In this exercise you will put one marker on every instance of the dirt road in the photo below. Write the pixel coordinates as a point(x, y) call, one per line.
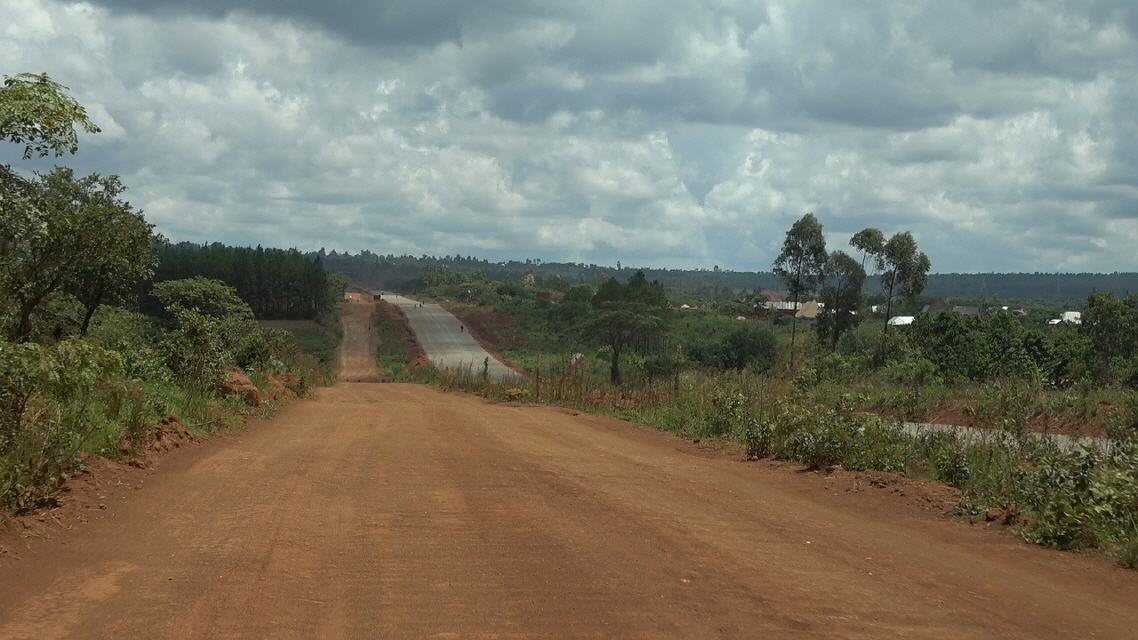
point(357, 351)
point(396, 511)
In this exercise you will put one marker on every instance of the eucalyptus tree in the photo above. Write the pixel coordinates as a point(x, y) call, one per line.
point(905, 273)
point(801, 264)
point(841, 297)
point(870, 243)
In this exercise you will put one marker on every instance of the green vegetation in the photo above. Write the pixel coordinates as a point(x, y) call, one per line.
point(390, 356)
point(84, 369)
point(716, 368)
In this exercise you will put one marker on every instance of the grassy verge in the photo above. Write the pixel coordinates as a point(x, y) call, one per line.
point(1085, 500)
point(319, 340)
point(397, 355)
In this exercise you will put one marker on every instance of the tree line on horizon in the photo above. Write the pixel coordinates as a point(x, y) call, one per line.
point(402, 272)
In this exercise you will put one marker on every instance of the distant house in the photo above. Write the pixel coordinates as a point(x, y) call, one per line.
point(546, 296)
point(809, 310)
point(1067, 317)
point(779, 306)
point(901, 321)
point(967, 311)
point(770, 295)
point(936, 306)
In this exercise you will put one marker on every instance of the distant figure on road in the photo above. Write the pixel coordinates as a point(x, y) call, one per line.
point(461, 329)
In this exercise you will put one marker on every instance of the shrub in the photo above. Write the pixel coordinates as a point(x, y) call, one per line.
point(750, 346)
point(47, 412)
point(729, 411)
point(212, 298)
point(133, 335)
point(196, 351)
point(917, 372)
point(758, 436)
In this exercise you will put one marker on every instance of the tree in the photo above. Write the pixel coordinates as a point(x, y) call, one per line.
point(841, 297)
point(1111, 324)
point(801, 265)
point(870, 243)
point(43, 239)
point(37, 244)
point(628, 314)
point(36, 111)
point(905, 272)
point(211, 298)
point(118, 248)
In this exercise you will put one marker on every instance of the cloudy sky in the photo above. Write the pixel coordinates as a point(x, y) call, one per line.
point(1003, 134)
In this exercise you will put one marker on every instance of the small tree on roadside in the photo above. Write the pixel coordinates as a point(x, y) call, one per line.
point(74, 235)
point(801, 264)
point(841, 298)
point(905, 274)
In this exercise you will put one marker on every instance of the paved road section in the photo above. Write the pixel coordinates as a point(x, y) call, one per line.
point(447, 345)
point(1065, 443)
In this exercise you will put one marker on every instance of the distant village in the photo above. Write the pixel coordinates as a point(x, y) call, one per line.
point(770, 302)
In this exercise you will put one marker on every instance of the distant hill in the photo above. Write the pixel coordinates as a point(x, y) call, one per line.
point(402, 272)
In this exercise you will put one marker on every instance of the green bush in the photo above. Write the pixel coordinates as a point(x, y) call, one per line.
point(208, 297)
point(135, 336)
point(48, 411)
point(196, 350)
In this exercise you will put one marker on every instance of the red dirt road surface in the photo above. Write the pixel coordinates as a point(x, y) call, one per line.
point(397, 511)
point(358, 347)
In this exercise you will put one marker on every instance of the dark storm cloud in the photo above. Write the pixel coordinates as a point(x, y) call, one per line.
point(407, 22)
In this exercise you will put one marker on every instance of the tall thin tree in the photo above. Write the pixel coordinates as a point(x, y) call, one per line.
point(905, 273)
point(801, 265)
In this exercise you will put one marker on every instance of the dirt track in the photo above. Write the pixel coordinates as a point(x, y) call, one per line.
point(357, 351)
point(398, 511)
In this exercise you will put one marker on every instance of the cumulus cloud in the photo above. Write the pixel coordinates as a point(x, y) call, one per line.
point(681, 134)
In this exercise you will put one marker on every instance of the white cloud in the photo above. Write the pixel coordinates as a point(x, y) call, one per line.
point(682, 134)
